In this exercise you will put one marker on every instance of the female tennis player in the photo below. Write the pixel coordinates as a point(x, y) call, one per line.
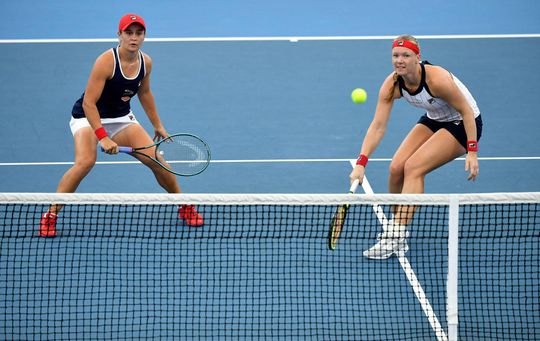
point(103, 114)
point(450, 128)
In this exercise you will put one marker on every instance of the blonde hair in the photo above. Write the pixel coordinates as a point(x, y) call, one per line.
point(395, 76)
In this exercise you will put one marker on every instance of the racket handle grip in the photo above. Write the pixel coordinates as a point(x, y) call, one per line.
point(354, 186)
point(125, 149)
point(122, 149)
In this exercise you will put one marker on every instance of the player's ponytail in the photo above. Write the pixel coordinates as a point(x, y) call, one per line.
point(390, 95)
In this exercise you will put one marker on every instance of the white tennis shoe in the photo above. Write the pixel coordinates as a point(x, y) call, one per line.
point(387, 246)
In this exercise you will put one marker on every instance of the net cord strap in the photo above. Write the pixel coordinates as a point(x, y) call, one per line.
point(270, 199)
point(453, 271)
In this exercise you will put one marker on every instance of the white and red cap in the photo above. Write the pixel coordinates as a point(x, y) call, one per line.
point(130, 19)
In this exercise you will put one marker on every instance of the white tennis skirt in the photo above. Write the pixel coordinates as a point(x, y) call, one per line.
point(111, 125)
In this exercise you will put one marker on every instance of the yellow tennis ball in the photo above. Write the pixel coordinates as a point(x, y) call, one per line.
point(359, 95)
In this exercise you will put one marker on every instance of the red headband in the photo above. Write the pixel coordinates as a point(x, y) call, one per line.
point(408, 44)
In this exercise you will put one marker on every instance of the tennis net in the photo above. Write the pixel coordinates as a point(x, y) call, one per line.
point(123, 267)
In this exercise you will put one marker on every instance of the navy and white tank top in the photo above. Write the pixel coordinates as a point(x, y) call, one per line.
point(436, 108)
point(117, 92)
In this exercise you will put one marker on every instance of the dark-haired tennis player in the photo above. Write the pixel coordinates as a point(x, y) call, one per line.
point(103, 114)
point(450, 128)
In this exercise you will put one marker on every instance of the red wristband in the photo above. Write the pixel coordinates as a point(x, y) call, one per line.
point(101, 133)
point(362, 160)
point(472, 146)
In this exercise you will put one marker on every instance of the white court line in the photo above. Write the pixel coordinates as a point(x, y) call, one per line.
point(62, 163)
point(422, 298)
point(409, 271)
point(275, 38)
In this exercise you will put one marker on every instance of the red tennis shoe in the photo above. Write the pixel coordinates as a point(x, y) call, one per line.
point(189, 214)
point(47, 225)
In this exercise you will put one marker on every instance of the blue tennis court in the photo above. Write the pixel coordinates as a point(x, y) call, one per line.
point(240, 96)
point(268, 88)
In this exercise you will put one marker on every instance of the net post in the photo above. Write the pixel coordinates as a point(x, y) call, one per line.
point(453, 271)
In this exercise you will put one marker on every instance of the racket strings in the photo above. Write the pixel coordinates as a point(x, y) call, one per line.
point(184, 154)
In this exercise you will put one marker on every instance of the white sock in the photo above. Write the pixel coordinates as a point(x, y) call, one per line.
point(394, 230)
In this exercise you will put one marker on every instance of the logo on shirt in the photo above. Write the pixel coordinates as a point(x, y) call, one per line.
point(131, 117)
point(415, 101)
point(431, 100)
point(127, 95)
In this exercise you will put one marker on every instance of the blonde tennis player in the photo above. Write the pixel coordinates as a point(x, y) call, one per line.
point(451, 127)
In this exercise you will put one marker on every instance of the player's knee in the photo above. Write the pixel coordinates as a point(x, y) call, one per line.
point(84, 165)
point(396, 169)
point(413, 169)
point(160, 172)
point(154, 167)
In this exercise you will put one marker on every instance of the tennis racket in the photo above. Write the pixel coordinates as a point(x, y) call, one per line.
point(180, 154)
point(338, 220)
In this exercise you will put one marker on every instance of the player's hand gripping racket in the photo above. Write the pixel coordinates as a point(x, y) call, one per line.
point(338, 220)
point(180, 154)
